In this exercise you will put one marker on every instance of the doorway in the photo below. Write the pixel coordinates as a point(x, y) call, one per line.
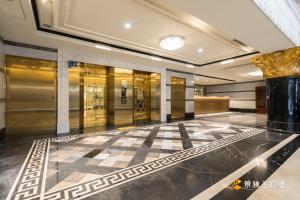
point(177, 98)
point(31, 96)
point(261, 102)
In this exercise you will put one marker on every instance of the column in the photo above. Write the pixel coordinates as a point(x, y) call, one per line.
point(281, 70)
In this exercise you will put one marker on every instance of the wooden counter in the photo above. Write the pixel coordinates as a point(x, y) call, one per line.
point(207, 104)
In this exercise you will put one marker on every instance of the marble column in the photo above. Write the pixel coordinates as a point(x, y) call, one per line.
point(281, 70)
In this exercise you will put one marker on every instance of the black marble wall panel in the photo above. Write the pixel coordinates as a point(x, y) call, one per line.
point(283, 100)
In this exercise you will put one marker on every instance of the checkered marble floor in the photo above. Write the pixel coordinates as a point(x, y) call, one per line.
point(76, 159)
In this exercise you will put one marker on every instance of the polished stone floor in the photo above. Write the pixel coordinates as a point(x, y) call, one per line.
point(217, 156)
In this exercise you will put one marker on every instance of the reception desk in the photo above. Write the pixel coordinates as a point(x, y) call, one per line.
point(206, 104)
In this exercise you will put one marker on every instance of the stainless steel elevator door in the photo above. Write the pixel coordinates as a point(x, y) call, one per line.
point(177, 98)
point(95, 95)
point(31, 96)
point(141, 97)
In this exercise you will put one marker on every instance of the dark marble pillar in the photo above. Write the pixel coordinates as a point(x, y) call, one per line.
point(283, 100)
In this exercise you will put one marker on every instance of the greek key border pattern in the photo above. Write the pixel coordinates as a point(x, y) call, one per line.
point(29, 185)
point(114, 179)
point(68, 137)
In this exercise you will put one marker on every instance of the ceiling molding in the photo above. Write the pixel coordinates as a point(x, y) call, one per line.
point(118, 47)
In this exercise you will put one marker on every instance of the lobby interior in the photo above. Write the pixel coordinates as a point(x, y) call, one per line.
point(147, 99)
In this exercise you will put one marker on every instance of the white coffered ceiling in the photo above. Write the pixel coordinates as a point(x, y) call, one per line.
point(104, 21)
point(223, 29)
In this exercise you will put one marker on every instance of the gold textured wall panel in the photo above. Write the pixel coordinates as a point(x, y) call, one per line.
point(141, 97)
point(74, 97)
point(205, 105)
point(155, 97)
point(120, 97)
point(31, 96)
point(280, 63)
point(177, 98)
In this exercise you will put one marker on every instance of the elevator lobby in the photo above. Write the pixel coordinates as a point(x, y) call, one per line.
point(147, 99)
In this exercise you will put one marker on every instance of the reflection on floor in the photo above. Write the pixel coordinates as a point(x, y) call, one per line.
point(199, 159)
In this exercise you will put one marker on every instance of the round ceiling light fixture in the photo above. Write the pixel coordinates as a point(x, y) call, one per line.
point(171, 42)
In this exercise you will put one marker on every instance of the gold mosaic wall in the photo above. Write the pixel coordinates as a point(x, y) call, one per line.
point(280, 63)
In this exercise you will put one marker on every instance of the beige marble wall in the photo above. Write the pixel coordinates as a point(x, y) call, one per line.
point(242, 95)
point(189, 92)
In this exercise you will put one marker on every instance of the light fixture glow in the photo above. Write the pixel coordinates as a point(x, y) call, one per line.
point(155, 58)
point(127, 25)
point(171, 43)
point(99, 46)
point(200, 50)
point(255, 73)
point(190, 66)
point(227, 61)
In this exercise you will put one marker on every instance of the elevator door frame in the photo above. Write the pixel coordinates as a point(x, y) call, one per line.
point(182, 115)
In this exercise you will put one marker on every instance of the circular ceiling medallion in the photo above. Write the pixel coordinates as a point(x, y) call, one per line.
point(171, 42)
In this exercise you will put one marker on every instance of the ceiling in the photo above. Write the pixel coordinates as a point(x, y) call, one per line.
point(217, 27)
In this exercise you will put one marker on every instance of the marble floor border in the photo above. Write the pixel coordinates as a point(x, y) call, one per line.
point(114, 179)
point(30, 181)
point(212, 191)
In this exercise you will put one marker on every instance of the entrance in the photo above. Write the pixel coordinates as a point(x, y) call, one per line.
point(31, 96)
point(261, 99)
point(177, 98)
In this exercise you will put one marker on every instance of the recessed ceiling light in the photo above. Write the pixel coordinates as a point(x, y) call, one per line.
point(200, 50)
point(155, 58)
point(99, 46)
point(227, 61)
point(172, 42)
point(127, 25)
point(190, 66)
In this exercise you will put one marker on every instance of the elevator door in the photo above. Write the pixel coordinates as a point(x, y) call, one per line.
point(141, 98)
point(31, 93)
point(94, 96)
point(177, 98)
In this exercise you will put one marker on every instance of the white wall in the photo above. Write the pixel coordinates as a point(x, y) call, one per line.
point(106, 58)
point(189, 92)
point(2, 87)
point(242, 95)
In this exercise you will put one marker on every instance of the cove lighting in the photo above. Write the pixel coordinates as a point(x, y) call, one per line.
point(190, 66)
point(255, 73)
point(171, 43)
point(99, 46)
point(155, 58)
point(227, 61)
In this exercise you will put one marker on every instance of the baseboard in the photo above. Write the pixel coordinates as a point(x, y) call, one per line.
point(242, 110)
point(2, 135)
point(189, 115)
point(169, 117)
